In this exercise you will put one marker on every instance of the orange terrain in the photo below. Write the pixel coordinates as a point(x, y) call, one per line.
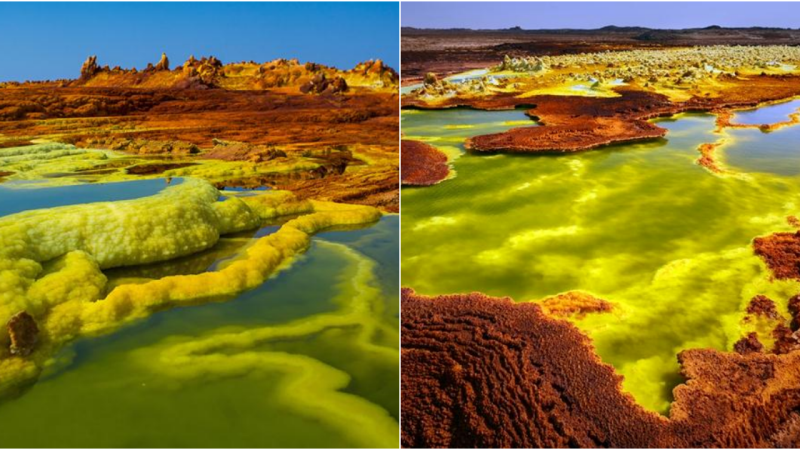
point(343, 121)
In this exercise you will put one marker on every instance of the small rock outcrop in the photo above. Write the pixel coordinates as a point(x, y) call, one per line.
point(377, 70)
point(203, 73)
point(533, 64)
point(321, 84)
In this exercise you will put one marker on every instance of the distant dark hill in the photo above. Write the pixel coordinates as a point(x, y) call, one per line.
point(709, 31)
point(446, 51)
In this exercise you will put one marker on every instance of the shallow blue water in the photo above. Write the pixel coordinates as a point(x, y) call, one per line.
point(777, 152)
point(407, 89)
point(768, 114)
point(13, 200)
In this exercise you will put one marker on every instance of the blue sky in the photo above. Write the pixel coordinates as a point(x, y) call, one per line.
point(539, 15)
point(51, 40)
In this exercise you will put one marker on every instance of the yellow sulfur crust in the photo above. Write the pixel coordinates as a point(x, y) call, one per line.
point(51, 260)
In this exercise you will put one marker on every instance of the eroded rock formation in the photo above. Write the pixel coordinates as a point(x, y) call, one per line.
point(89, 68)
point(211, 73)
point(163, 63)
point(378, 72)
point(320, 84)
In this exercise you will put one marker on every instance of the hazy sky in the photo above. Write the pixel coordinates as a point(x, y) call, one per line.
point(51, 40)
point(538, 15)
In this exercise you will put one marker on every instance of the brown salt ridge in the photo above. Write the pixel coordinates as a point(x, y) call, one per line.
point(486, 372)
point(708, 156)
point(582, 123)
point(422, 164)
point(23, 332)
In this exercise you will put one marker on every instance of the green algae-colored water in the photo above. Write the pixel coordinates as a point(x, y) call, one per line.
point(128, 389)
point(640, 225)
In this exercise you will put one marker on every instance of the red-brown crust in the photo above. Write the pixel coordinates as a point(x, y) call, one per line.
point(422, 164)
point(748, 344)
point(486, 372)
point(781, 252)
point(794, 310)
point(578, 123)
point(763, 306)
point(586, 135)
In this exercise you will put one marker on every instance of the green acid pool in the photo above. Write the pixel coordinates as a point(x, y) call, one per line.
point(308, 359)
point(640, 225)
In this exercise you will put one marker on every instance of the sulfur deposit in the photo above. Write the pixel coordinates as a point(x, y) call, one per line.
point(308, 386)
point(52, 260)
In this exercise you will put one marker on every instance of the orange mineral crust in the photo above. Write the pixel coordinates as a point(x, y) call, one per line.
point(422, 164)
point(486, 372)
point(275, 114)
point(708, 156)
point(138, 115)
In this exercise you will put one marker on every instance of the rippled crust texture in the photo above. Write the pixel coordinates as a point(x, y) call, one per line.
point(422, 164)
point(486, 372)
